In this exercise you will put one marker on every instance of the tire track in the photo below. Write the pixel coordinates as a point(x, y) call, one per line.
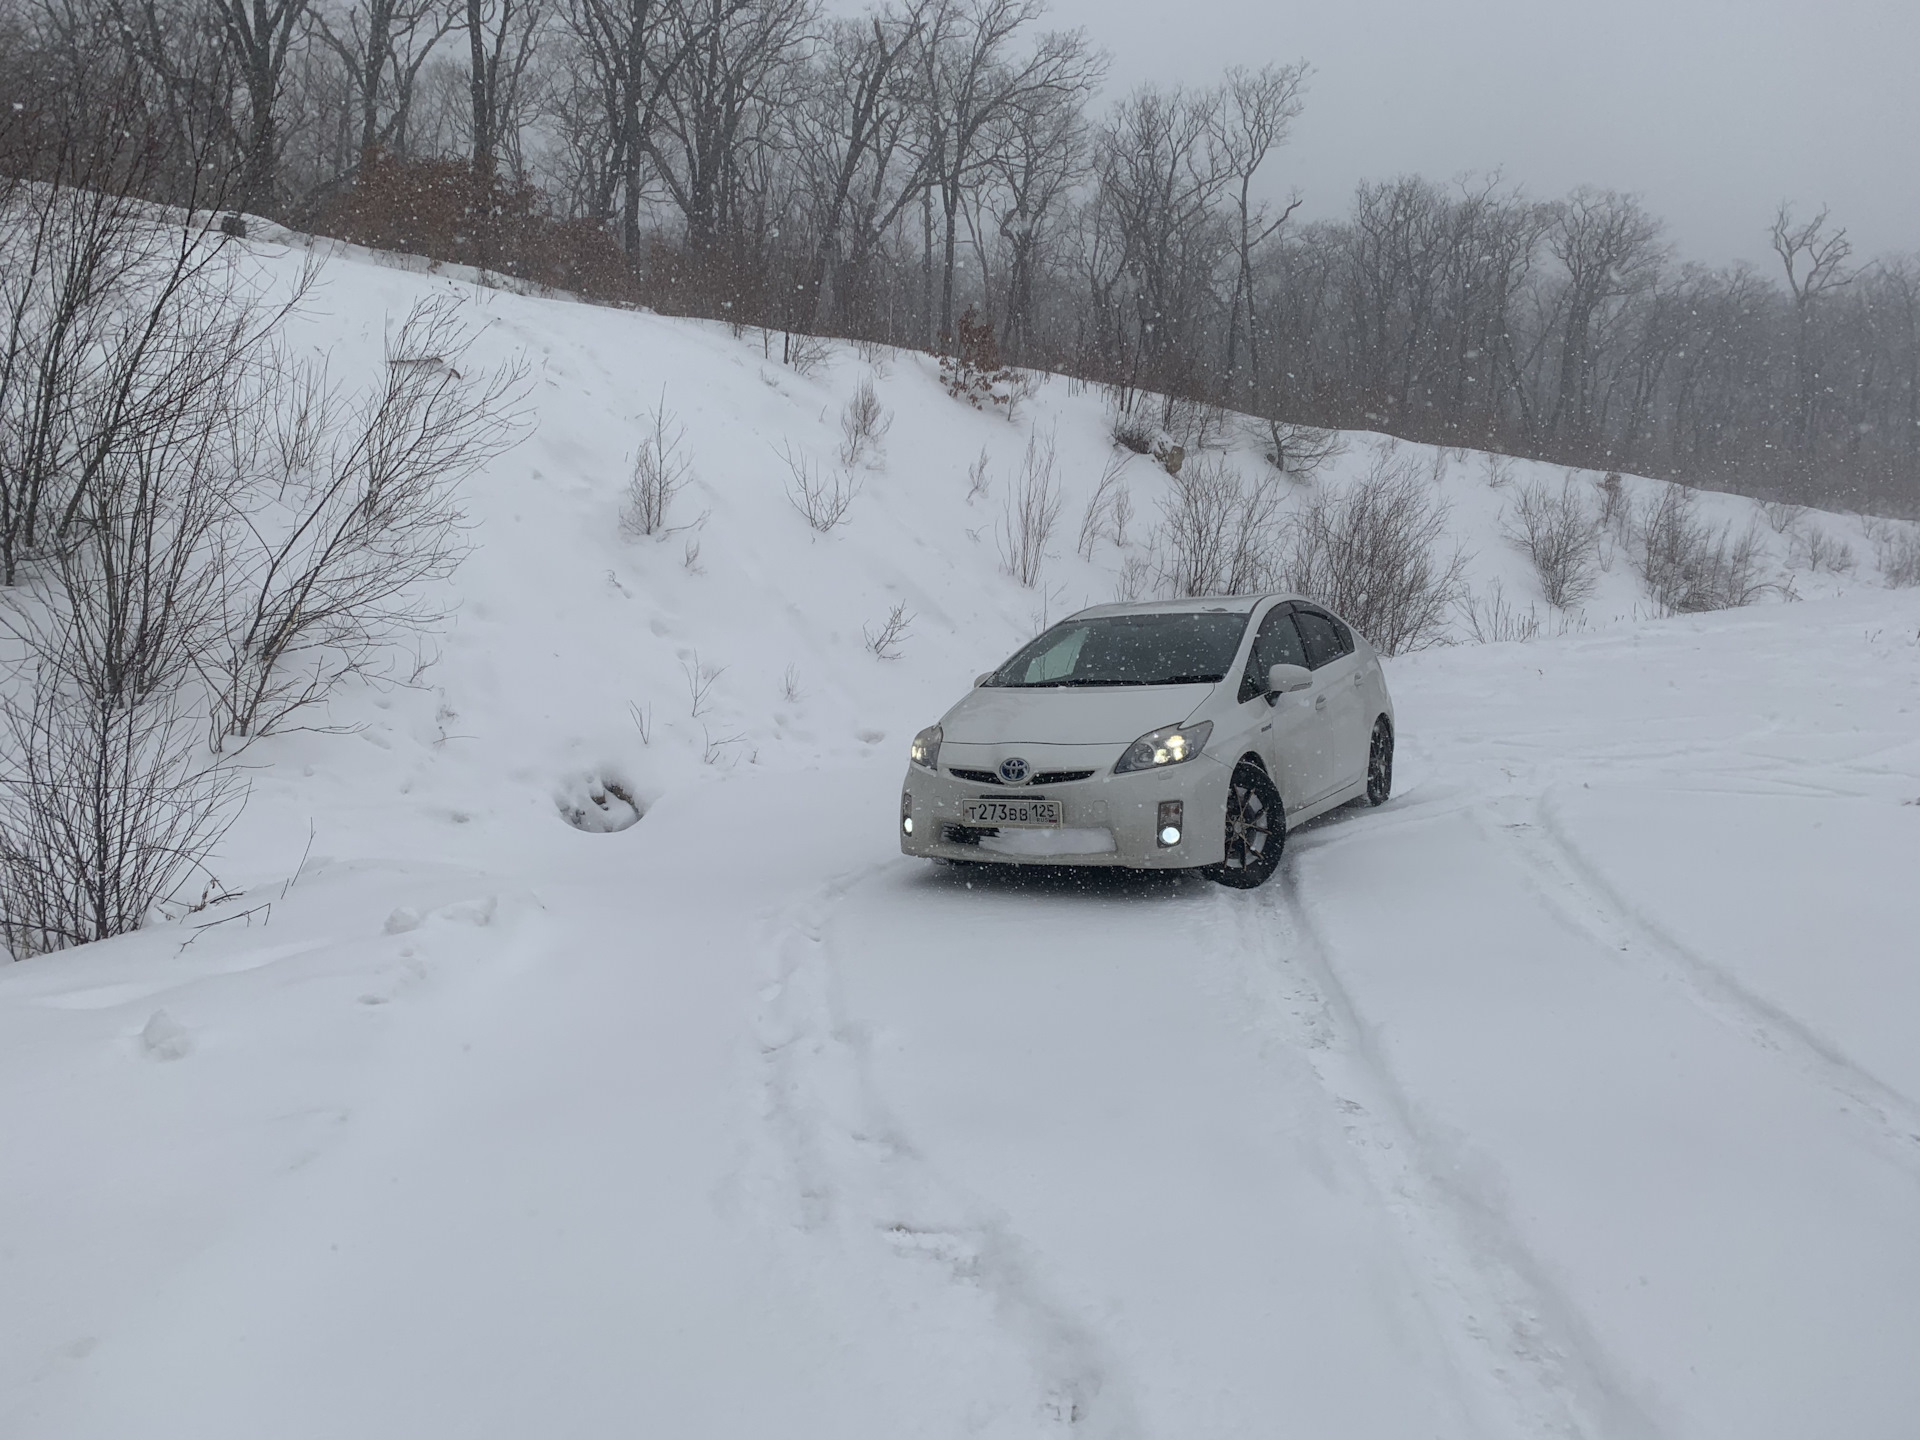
point(1522, 1353)
point(1570, 883)
point(854, 1174)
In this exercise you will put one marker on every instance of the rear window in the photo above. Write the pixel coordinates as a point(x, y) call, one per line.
point(1151, 649)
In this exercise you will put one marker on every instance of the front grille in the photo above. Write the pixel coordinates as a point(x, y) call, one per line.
point(1045, 777)
point(966, 834)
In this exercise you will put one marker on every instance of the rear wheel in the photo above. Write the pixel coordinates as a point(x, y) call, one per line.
point(1380, 763)
point(1256, 830)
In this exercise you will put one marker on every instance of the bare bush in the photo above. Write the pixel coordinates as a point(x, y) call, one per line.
point(331, 572)
point(1031, 511)
point(978, 485)
point(884, 640)
point(1688, 565)
point(106, 809)
point(1219, 533)
point(1299, 452)
point(863, 425)
point(660, 472)
point(1813, 547)
point(1557, 534)
point(803, 354)
point(1135, 579)
point(1133, 432)
point(822, 496)
point(1372, 554)
point(1616, 506)
point(1491, 620)
point(1499, 470)
point(1106, 509)
point(1782, 515)
point(1899, 556)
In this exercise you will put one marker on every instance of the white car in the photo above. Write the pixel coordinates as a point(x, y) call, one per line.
point(1181, 735)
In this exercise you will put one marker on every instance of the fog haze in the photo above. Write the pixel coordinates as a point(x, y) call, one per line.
point(1713, 111)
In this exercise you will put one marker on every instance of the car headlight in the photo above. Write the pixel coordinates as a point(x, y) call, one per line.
point(1164, 747)
point(926, 748)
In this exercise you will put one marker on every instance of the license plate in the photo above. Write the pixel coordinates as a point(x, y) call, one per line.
point(1017, 813)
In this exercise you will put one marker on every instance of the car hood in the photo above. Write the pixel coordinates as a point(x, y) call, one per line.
point(1045, 715)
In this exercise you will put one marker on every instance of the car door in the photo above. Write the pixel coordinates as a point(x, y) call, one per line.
point(1284, 726)
point(1337, 699)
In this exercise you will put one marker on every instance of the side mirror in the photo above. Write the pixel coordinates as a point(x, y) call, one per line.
point(1285, 679)
point(982, 678)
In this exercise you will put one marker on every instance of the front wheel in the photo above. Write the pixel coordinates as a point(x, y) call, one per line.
point(1380, 763)
point(1256, 830)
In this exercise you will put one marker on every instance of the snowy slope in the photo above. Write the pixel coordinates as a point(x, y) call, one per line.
point(1571, 1094)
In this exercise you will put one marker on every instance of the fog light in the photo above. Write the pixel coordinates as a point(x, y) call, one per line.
point(1169, 821)
point(906, 825)
point(906, 812)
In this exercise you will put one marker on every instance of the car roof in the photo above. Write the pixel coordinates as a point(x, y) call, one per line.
point(1196, 605)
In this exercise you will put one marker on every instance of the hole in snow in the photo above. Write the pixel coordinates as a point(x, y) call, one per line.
point(599, 805)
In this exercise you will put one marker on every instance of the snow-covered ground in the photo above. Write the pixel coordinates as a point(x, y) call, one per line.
point(1573, 1093)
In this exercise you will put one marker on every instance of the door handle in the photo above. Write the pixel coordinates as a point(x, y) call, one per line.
point(1320, 701)
point(1358, 681)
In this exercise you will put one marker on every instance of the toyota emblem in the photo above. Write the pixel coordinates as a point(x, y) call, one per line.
point(1014, 770)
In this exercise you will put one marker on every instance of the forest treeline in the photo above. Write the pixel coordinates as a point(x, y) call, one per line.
point(879, 174)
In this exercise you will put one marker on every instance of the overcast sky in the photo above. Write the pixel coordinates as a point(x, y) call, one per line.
point(1712, 110)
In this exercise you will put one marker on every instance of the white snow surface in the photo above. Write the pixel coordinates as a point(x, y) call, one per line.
point(1573, 1093)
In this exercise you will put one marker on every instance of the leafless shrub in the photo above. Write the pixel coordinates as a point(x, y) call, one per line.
point(1299, 452)
point(660, 471)
point(1616, 511)
point(331, 573)
point(642, 717)
point(700, 680)
point(713, 747)
point(1031, 511)
point(863, 424)
point(1135, 579)
point(1133, 432)
point(1557, 534)
point(1100, 517)
point(1688, 565)
point(1499, 470)
point(803, 354)
point(1782, 515)
point(875, 354)
point(1899, 556)
point(105, 810)
point(978, 486)
point(1194, 424)
point(822, 498)
point(690, 559)
point(790, 685)
point(1371, 554)
point(1490, 619)
point(1817, 550)
point(884, 641)
point(1219, 533)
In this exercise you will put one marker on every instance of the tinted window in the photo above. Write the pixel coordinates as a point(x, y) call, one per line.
point(1316, 631)
point(1129, 650)
point(1278, 643)
point(1342, 634)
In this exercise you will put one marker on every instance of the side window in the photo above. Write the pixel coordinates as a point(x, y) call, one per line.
point(1278, 643)
point(1342, 634)
point(1316, 631)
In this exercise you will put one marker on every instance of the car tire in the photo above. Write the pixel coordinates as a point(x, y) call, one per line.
point(1256, 825)
point(1380, 763)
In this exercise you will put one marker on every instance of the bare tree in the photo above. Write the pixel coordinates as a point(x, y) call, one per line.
point(1219, 533)
point(1259, 106)
point(660, 470)
point(1560, 537)
point(1813, 255)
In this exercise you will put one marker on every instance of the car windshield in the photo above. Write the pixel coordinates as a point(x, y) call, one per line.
point(1189, 648)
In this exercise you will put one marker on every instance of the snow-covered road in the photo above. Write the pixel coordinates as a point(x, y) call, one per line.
point(1573, 1093)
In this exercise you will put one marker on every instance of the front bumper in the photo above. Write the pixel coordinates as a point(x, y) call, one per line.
point(1109, 820)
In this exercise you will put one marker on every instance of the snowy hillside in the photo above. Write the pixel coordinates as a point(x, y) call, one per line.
point(1571, 1094)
